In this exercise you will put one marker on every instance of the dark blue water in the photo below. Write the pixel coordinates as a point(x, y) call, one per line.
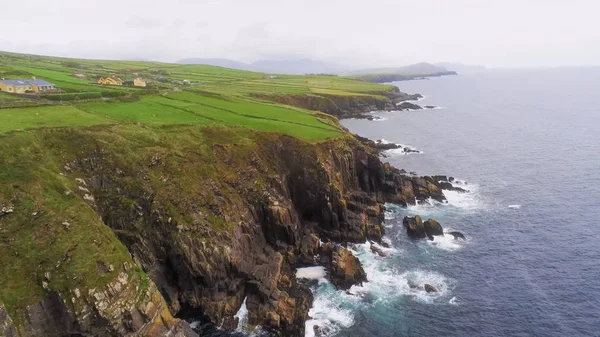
point(528, 138)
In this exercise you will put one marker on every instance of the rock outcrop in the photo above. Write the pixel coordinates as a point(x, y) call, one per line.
point(381, 146)
point(433, 228)
point(347, 106)
point(120, 308)
point(417, 229)
point(457, 235)
point(7, 327)
point(409, 106)
point(414, 227)
point(344, 269)
point(377, 250)
point(430, 289)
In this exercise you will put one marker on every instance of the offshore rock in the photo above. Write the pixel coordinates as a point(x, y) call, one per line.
point(430, 289)
point(414, 227)
point(457, 235)
point(409, 106)
point(433, 228)
point(378, 251)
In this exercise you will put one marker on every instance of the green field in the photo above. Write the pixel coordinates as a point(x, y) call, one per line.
point(209, 96)
point(46, 116)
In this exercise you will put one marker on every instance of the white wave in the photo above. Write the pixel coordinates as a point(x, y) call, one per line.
point(514, 206)
point(242, 316)
point(419, 277)
point(383, 141)
point(311, 273)
point(390, 214)
point(400, 151)
point(384, 279)
point(415, 100)
point(389, 251)
point(387, 241)
point(327, 312)
point(446, 242)
point(464, 200)
point(333, 310)
point(454, 301)
point(380, 119)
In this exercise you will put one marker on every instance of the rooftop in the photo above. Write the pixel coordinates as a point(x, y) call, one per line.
point(37, 82)
point(16, 82)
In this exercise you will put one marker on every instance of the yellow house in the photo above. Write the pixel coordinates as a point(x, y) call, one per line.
point(139, 82)
point(15, 86)
point(110, 81)
point(41, 85)
point(24, 86)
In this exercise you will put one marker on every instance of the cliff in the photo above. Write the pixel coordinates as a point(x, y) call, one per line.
point(116, 230)
point(394, 77)
point(346, 106)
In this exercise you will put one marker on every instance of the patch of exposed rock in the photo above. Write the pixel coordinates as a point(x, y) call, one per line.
point(417, 229)
point(409, 106)
point(344, 269)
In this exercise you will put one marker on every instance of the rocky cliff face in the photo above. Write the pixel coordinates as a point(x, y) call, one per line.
point(213, 219)
point(346, 106)
point(121, 308)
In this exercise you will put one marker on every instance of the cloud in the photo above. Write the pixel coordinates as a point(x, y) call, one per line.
point(140, 22)
point(375, 32)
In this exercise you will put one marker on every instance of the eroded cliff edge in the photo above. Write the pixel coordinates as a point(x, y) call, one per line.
point(134, 226)
point(347, 106)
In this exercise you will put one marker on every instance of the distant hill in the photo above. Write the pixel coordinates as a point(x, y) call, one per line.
point(309, 66)
point(406, 73)
point(462, 68)
point(413, 69)
point(225, 63)
point(298, 66)
point(292, 66)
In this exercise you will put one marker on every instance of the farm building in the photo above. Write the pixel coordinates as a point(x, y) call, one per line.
point(139, 82)
point(112, 80)
point(25, 86)
point(41, 85)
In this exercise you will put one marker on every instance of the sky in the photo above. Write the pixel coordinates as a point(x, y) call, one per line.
point(495, 33)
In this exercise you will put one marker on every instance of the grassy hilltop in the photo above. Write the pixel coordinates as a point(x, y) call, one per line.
point(214, 95)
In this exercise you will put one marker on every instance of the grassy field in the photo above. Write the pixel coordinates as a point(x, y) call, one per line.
point(47, 116)
point(178, 95)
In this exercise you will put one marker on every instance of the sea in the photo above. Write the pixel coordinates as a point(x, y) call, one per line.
point(526, 145)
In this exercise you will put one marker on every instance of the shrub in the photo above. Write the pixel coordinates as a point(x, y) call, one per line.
point(72, 64)
point(106, 93)
point(71, 96)
point(131, 98)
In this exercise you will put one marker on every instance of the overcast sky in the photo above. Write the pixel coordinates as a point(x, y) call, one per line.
point(513, 33)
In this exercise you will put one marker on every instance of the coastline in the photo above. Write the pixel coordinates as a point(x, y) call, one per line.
point(370, 253)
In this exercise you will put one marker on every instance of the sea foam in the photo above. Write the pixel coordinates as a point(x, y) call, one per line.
point(311, 273)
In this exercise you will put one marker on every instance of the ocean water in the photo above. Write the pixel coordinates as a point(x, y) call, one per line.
point(526, 144)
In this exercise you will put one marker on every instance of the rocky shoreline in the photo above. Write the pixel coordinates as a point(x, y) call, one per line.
point(359, 107)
